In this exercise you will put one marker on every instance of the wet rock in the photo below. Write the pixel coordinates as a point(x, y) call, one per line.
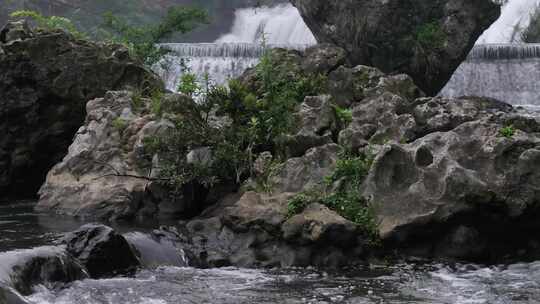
point(46, 80)
point(461, 243)
point(252, 230)
point(49, 266)
point(101, 250)
point(10, 296)
point(426, 39)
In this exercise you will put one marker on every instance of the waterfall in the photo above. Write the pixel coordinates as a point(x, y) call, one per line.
point(233, 53)
point(514, 18)
point(155, 251)
point(508, 72)
point(221, 61)
point(281, 24)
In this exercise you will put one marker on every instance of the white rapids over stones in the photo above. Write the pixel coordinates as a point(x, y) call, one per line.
point(11, 259)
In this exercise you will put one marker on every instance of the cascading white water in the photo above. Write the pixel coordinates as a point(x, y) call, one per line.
point(508, 72)
point(239, 50)
point(156, 252)
point(221, 61)
point(499, 66)
point(281, 24)
point(515, 16)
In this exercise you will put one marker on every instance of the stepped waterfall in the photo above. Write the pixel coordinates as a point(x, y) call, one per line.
point(507, 72)
point(497, 67)
point(233, 53)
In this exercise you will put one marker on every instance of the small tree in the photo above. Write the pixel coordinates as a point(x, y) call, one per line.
point(142, 40)
point(49, 22)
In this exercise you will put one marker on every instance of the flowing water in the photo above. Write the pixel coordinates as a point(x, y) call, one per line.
point(233, 53)
point(507, 72)
point(164, 278)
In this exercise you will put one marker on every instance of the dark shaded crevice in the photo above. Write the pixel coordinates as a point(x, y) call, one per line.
point(485, 234)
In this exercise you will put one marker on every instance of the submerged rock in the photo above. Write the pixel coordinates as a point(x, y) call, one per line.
point(101, 250)
point(49, 266)
point(426, 39)
point(46, 80)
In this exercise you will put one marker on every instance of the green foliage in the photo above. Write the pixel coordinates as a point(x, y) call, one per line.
point(430, 36)
point(49, 22)
point(120, 124)
point(344, 196)
point(250, 122)
point(266, 114)
point(298, 203)
point(344, 115)
point(189, 85)
point(351, 168)
point(264, 178)
point(142, 40)
point(156, 106)
point(508, 131)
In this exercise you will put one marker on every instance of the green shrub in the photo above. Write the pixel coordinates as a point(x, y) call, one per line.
point(508, 131)
point(120, 124)
point(189, 85)
point(142, 40)
point(257, 118)
point(344, 115)
point(50, 22)
point(298, 203)
point(430, 36)
point(344, 197)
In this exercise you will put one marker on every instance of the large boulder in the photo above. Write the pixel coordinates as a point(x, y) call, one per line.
point(107, 172)
point(101, 250)
point(453, 177)
point(255, 230)
point(46, 80)
point(427, 39)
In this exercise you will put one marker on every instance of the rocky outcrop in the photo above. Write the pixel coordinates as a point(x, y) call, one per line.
point(101, 250)
point(449, 172)
point(46, 80)
point(442, 175)
point(425, 39)
point(254, 230)
point(106, 173)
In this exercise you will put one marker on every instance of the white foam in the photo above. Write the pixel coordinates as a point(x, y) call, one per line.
point(514, 14)
point(19, 257)
point(281, 24)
